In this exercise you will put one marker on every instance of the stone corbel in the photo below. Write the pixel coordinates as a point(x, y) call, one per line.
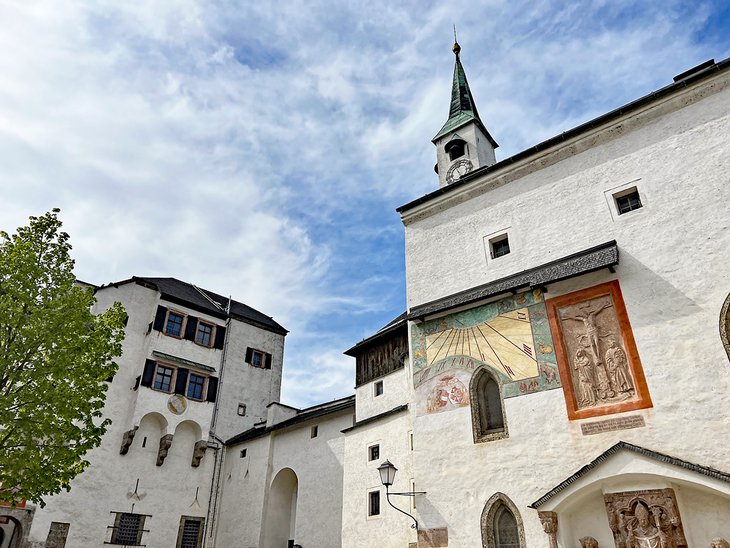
point(549, 521)
point(165, 443)
point(198, 452)
point(127, 439)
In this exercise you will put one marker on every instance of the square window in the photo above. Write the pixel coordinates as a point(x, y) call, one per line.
point(243, 453)
point(195, 387)
point(257, 358)
point(163, 378)
point(373, 452)
point(174, 323)
point(374, 503)
point(378, 388)
point(499, 246)
point(127, 529)
point(627, 200)
point(241, 409)
point(204, 334)
point(314, 432)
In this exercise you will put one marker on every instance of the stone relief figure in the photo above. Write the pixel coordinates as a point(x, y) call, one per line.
point(198, 452)
point(719, 543)
point(587, 315)
point(618, 368)
point(127, 439)
point(165, 443)
point(588, 542)
point(645, 519)
point(586, 390)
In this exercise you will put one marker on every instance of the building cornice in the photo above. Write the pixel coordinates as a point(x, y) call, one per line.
point(683, 92)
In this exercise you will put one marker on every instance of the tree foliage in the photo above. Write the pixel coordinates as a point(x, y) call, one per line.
point(55, 356)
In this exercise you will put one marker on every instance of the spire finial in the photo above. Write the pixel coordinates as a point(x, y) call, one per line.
point(457, 48)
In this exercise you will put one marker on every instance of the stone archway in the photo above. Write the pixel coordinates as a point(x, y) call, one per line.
point(281, 510)
point(21, 518)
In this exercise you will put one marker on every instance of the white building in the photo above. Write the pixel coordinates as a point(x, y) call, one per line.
point(557, 380)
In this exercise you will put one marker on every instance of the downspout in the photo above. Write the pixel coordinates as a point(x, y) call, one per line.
point(215, 480)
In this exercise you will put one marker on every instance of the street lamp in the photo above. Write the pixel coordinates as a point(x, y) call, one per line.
point(387, 477)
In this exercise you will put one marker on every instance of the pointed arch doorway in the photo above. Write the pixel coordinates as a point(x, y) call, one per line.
point(281, 510)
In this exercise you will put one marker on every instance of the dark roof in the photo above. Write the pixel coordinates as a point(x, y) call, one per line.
point(622, 445)
point(462, 109)
point(393, 325)
point(589, 260)
point(304, 415)
point(376, 418)
point(705, 70)
point(187, 294)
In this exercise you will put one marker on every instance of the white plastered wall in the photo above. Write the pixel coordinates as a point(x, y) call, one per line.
point(673, 274)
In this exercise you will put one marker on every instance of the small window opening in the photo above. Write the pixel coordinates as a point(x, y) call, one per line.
point(314, 432)
point(374, 503)
point(410, 440)
point(174, 324)
point(374, 452)
point(144, 441)
point(378, 388)
point(243, 453)
point(499, 247)
point(628, 200)
point(241, 409)
point(456, 151)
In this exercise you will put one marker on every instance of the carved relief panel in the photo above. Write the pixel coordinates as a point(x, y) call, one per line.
point(645, 519)
point(597, 358)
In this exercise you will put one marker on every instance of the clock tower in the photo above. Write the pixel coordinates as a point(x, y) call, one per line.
point(463, 144)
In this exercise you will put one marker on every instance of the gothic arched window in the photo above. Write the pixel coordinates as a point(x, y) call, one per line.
point(501, 524)
point(487, 411)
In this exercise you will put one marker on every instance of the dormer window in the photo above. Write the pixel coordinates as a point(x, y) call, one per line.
point(455, 147)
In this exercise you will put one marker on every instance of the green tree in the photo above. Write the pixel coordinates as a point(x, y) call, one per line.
point(55, 356)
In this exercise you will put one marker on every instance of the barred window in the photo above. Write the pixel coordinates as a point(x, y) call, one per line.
point(190, 533)
point(127, 529)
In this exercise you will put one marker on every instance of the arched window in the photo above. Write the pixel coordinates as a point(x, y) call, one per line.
point(501, 524)
point(488, 420)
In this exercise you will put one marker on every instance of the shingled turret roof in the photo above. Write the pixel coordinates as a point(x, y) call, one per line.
point(463, 109)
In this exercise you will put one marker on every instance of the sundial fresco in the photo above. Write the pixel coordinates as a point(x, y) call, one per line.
point(511, 337)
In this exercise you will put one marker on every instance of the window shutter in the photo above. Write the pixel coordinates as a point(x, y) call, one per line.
point(182, 380)
point(212, 389)
point(191, 327)
point(249, 354)
point(160, 318)
point(220, 336)
point(149, 372)
point(267, 361)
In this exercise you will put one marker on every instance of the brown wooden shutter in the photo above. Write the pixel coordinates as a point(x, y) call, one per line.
point(249, 354)
point(267, 360)
point(149, 372)
point(212, 389)
point(181, 381)
point(160, 318)
point(191, 327)
point(220, 336)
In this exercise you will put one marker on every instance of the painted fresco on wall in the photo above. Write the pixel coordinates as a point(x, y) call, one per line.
point(510, 336)
point(597, 356)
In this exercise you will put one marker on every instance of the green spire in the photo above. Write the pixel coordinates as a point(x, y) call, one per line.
point(462, 109)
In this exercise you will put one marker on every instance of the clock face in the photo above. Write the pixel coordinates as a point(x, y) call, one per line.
point(458, 169)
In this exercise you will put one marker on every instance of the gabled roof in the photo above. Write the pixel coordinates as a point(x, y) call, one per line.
point(187, 294)
point(462, 109)
point(302, 416)
point(624, 446)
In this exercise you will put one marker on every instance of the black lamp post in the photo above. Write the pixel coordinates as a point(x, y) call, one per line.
point(387, 477)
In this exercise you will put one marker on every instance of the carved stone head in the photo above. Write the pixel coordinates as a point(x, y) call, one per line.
point(588, 542)
point(719, 543)
point(641, 513)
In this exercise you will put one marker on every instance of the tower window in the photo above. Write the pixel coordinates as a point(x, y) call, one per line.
point(456, 151)
point(499, 246)
point(314, 431)
point(374, 452)
point(488, 419)
point(374, 503)
point(378, 388)
point(628, 200)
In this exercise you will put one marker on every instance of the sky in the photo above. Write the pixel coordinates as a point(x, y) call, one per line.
point(260, 149)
